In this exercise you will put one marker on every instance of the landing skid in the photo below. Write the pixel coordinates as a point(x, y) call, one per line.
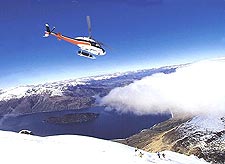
point(86, 54)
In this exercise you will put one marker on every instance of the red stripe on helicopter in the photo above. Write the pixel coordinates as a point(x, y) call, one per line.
point(73, 41)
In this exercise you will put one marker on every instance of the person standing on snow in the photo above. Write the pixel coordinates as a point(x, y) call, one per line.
point(158, 154)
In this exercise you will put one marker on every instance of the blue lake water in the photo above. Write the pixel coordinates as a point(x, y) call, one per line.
point(108, 125)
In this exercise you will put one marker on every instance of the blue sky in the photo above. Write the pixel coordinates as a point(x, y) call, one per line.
point(142, 34)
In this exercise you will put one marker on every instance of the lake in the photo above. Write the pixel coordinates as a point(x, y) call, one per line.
point(108, 125)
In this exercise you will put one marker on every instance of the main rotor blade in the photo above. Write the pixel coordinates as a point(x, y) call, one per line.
point(52, 29)
point(89, 25)
point(104, 45)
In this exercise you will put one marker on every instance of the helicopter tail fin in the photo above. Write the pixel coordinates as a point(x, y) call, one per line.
point(47, 28)
point(48, 31)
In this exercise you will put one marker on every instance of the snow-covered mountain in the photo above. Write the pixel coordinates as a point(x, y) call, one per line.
point(51, 89)
point(205, 134)
point(22, 148)
point(202, 135)
point(68, 94)
point(57, 88)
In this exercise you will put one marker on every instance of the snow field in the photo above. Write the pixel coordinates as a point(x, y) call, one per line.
point(70, 149)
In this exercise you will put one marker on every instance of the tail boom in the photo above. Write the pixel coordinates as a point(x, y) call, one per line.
point(59, 36)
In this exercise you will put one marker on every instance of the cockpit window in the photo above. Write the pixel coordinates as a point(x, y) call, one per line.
point(95, 44)
point(98, 45)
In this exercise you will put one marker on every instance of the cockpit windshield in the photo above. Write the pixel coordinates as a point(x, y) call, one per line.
point(95, 44)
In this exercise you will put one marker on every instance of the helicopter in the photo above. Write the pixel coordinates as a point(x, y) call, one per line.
point(89, 47)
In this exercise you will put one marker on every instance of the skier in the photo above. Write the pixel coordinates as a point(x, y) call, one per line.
point(141, 154)
point(158, 154)
point(136, 149)
point(138, 152)
point(164, 155)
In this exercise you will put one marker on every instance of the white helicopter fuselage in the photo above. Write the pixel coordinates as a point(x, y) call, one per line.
point(90, 45)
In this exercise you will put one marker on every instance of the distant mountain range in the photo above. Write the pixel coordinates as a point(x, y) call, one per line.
point(69, 94)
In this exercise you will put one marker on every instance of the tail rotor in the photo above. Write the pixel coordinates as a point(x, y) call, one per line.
point(48, 30)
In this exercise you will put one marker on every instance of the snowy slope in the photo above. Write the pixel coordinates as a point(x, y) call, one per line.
point(206, 135)
point(21, 148)
point(204, 128)
point(204, 123)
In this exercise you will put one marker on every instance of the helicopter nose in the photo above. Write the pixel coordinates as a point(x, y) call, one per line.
point(103, 52)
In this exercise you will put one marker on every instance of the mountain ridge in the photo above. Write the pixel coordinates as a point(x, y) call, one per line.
point(68, 94)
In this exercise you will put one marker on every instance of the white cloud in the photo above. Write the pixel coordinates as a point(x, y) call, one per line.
point(195, 88)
